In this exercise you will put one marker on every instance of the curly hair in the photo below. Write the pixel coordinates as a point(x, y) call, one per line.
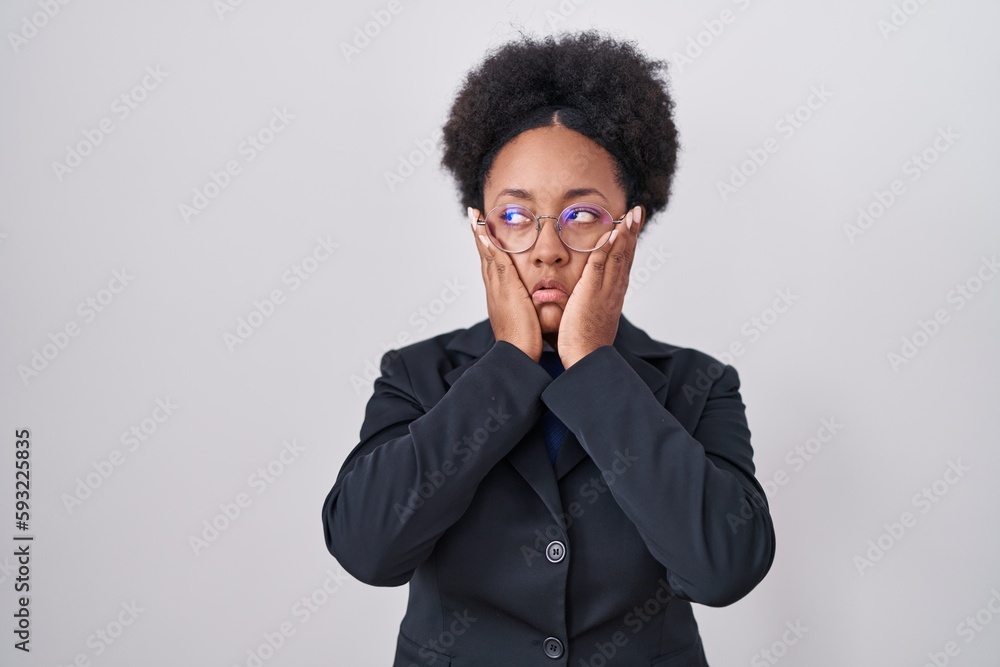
point(603, 88)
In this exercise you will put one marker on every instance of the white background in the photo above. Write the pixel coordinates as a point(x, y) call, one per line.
point(305, 373)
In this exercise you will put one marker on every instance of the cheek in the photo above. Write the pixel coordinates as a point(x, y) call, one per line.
point(521, 265)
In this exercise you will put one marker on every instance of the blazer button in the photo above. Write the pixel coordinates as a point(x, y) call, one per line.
point(555, 551)
point(553, 647)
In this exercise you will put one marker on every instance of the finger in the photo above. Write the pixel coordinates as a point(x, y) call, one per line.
point(473, 217)
point(617, 256)
point(636, 222)
point(483, 246)
point(622, 253)
point(476, 231)
point(503, 266)
point(498, 268)
point(489, 259)
point(496, 263)
point(594, 272)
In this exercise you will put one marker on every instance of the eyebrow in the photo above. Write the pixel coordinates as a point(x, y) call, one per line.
point(572, 193)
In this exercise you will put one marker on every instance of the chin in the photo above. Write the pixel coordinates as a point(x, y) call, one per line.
point(549, 317)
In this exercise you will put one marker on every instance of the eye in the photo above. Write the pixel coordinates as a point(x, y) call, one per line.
point(514, 216)
point(584, 215)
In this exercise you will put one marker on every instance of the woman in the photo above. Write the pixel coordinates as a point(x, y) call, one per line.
point(556, 486)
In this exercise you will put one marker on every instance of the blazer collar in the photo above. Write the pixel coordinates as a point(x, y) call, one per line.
point(529, 457)
point(632, 343)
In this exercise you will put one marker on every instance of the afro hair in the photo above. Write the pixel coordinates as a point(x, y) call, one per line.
point(603, 88)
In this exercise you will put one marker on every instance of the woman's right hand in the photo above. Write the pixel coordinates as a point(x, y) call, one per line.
point(511, 310)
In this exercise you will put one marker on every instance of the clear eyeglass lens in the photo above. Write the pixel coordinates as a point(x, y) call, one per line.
point(583, 225)
point(513, 228)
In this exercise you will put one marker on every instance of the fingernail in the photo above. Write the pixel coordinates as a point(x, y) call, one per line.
point(472, 216)
point(611, 239)
point(638, 212)
point(628, 220)
point(483, 240)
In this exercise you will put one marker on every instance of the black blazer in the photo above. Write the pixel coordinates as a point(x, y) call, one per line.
point(652, 503)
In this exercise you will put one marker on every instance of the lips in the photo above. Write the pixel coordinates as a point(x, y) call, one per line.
point(549, 290)
point(550, 284)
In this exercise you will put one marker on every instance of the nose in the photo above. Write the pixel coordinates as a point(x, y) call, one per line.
point(549, 248)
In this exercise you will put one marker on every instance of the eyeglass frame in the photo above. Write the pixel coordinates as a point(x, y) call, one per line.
point(557, 218)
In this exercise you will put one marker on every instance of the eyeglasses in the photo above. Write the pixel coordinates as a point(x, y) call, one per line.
point(514, 228)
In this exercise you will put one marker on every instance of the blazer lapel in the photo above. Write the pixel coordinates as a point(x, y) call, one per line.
point(529, 457)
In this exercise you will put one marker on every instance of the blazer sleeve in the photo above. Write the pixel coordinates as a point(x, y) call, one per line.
point(415, 470)
point(692, 496)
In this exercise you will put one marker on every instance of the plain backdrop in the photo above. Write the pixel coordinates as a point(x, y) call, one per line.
point(166, 168)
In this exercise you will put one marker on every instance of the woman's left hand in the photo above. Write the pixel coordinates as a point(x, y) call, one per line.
point(590, 319)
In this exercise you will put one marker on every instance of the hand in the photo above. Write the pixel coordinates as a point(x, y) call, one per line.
point(590, 319)
point(511, 310)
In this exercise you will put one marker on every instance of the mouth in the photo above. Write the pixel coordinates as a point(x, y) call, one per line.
point(546, 291)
